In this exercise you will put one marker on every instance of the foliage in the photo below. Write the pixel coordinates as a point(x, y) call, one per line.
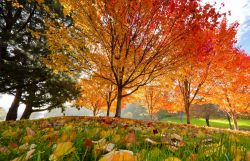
point(129, 43)
point(151, 97)
point(22, 44)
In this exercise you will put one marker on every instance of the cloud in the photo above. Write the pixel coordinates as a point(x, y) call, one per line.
point(240, 12)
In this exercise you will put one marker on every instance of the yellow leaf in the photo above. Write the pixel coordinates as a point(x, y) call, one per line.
point(238, 153)
point(172, 159)
point(61, 150)
point(121, 155)
point(248, 156)
point(104, 134)
point(116, 138)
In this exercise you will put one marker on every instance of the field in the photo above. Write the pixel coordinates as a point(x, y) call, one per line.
point(243, 124)
point(100, 138)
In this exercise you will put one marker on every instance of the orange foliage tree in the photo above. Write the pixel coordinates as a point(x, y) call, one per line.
point(132, 40)
point(192, 79)
point(153, 98)
point(96, 94)
point(231, 90)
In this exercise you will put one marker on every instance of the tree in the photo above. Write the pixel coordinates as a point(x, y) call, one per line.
point(204, 53)
point(231, 87)
point(22, 44)
point(161, 114)
point(135, 112)
point(94, 96)
point(206, 111)
point(12, 29)
point(193, 74)
point(51, 93)
point(104, 90)
point(152, 98)
point(132, 40)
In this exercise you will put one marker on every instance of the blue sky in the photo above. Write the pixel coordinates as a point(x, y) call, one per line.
point(240, 12)
point(244, 41)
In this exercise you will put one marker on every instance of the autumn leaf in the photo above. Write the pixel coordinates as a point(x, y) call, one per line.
point(61, 150)
point(248, 156)
point(121, 155)
point(130, 138)
point(30, 132)
point(109, 147)
point(4, 150)
point(88, 143)
point(172, 159)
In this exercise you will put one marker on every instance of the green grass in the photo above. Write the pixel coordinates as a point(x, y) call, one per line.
point(85, 138)
point(222, 123)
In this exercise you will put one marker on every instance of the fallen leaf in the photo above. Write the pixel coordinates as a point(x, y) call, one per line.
point(172, 159)
point(32, 146)
point(248, 156)
point(109, 147)
point(155, 131)
point(30, 132)
point(61, 150)
point(104, 134)
point(24, 146)
point(29, 154)
point(4, 150)
point(130, 138)
point(121, 155)
point(99, 141)
point(175, 137)
point(25, 157)
point(88, 143)
point(116, 138)
point(192, 157)
point(238, 153)
point(151, 141)
point(13, 145)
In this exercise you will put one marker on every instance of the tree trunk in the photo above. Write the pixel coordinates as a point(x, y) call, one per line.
point(108, 109)
point(94, 112)
point(234, 118)
point(229, 120)
point(207, 121)
point(181, 116)
point(27, 112)
point(119, 103)
point(187, 112)
point(12, 113)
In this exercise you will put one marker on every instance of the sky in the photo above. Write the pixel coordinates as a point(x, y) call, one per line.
point(240, 12)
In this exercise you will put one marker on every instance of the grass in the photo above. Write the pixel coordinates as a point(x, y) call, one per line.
point(86, 138)
point(222, 123)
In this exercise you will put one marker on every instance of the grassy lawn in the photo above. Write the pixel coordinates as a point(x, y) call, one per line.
point(106, 139)
point(243, 124)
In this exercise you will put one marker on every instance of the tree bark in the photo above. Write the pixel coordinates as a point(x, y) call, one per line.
point(94, 112)
point(108, 109)
point(229, 120)
point(187, 112)
point(12, 113)
point(234, 118)
point(207, 121)
point(119, 103)
point(27, 112)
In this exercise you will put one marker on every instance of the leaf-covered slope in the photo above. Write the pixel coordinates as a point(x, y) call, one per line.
point(100, 138)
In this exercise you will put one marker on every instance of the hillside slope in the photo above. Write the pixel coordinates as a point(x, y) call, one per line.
point(100, 138)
